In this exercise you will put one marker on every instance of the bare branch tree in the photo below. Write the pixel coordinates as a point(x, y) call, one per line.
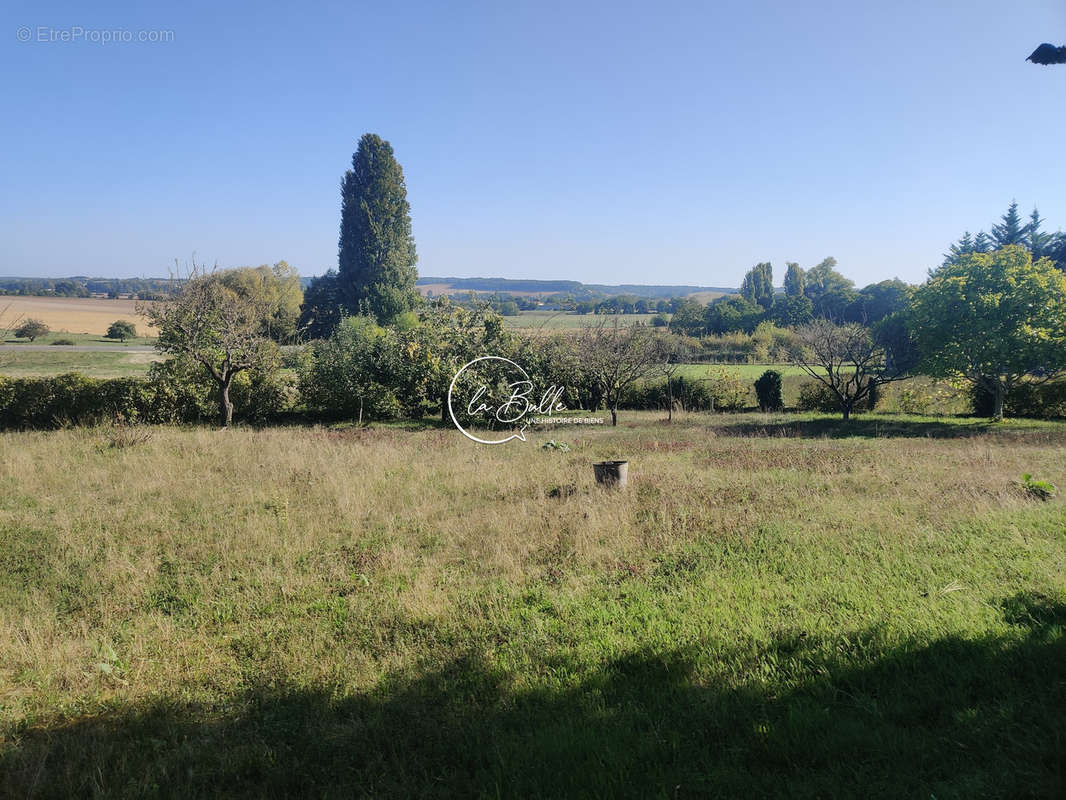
point(843, 358)
point(673, 353)
point(615, 356)
point(8, 323)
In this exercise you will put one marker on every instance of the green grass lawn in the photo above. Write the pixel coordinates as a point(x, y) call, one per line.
point(60, 360)
point(746, 371)
point(777, 605)
point(8, 337)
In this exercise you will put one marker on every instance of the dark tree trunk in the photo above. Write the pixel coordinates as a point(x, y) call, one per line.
point(614, 416)
point(670, 400)
point(846, 409)
point(225, 407)
point(444, 407)
point(999, 395)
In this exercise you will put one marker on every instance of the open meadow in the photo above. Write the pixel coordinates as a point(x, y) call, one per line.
point(777, 605)
point(114, 362)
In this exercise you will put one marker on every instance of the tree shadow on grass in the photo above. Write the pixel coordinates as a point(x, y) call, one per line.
point(878, 426)
point(844, 718)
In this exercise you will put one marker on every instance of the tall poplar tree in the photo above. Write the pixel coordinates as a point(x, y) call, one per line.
point(758, 285)
point(376, 264)
point(795, 280)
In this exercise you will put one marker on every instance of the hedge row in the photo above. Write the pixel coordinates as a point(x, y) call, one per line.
point(172, 394)
point(168, 396)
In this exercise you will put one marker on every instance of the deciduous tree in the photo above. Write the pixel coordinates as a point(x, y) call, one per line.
point(31, 329)
point(993, 319)
point(843, 358)
point(217, 326)
point(758, 285)
point(277, 287)
point(122, 330)
point(615, 356)
point(795, 280)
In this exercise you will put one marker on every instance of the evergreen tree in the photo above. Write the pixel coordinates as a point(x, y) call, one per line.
point(376, 265)
point(960, 248)
point(1040, 243)
point(1010, 230)
point(795, 280)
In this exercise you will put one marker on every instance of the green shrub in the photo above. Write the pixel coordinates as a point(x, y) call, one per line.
point(122, 330)
point(71, 399)
point(175, 392)
point(728, 391)
point(264, 398)
point(348, 374)
point(768, 391)
point(1038, 490)
point(816, 396)
point(1027, 399)
point(181, 392)
point(64, 342)
point(296, 357)
point(31, 329)
point(689, 395)
point(723, 391)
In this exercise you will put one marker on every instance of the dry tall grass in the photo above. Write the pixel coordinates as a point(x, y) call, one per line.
point(199, 562)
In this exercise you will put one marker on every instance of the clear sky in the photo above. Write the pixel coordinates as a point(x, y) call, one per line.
point(606, 142)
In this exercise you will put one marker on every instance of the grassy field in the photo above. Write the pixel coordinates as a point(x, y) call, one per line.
point(90, 315)
point(20, 358)
point(7, 337)
point(564, 320)
point(117, 364)
point(745, 371)
point(775, 606)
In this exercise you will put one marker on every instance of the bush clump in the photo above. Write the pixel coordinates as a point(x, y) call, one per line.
point(122, 330)
point(768, 391)
point(175, 392)
point(1037, 490)
point(816, 396)
point(31, 329)
point(1027, 399)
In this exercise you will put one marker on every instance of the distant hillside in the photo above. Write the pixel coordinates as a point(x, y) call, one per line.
point(572, 288)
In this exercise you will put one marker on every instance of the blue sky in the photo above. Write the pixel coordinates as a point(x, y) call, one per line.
point(603, 142)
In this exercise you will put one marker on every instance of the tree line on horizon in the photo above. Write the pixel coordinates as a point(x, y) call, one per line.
point(994, 314)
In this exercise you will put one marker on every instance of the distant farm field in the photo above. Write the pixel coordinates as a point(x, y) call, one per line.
point(75, 314)
point(703, 298)
point(566, 320)
point(777, 605)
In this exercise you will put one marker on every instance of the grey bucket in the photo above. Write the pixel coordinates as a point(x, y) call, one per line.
point(612, 473)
